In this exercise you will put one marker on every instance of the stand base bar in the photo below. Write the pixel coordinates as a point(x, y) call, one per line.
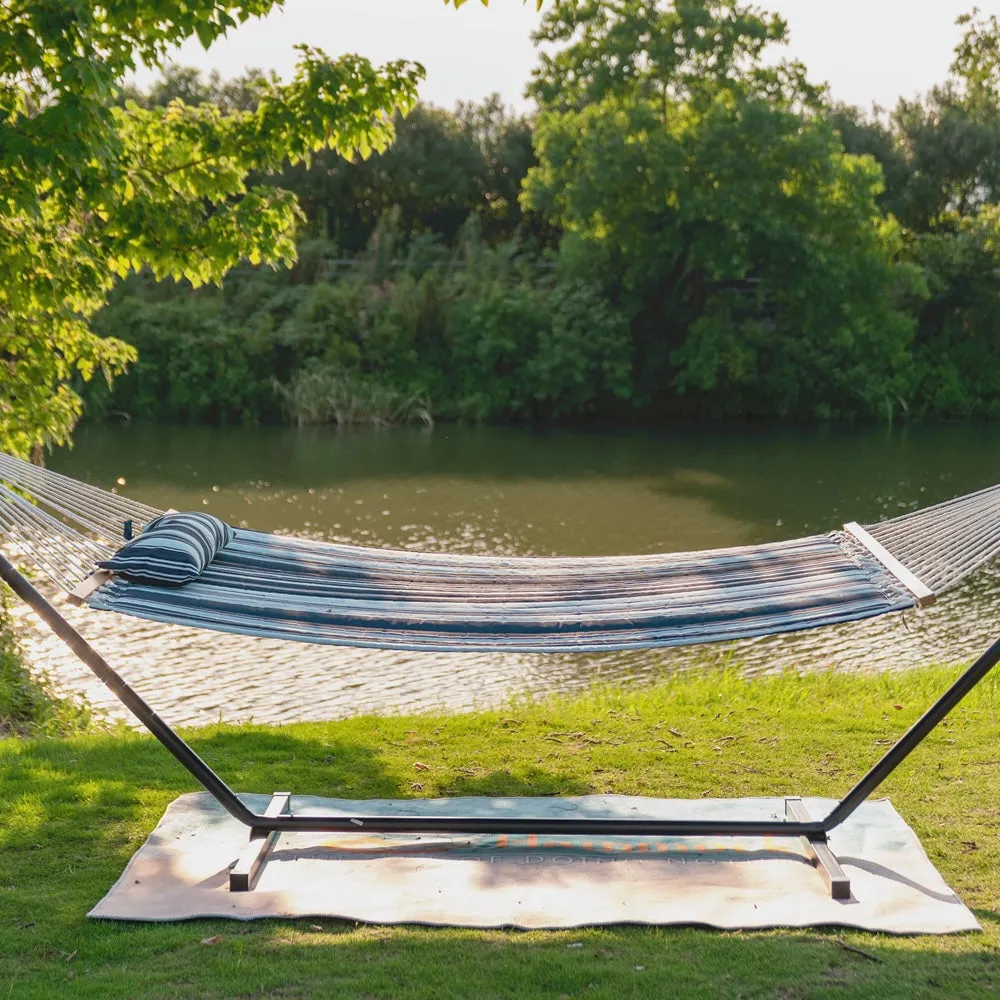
point(548, 826)
point(819, 853)
point(243, 875)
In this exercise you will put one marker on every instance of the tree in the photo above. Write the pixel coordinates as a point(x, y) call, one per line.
point(707, 192)
point(188, 85)
point(873, 134)
point(441, 168)
point(685, 50)
point(951, 151)
point(90, 191)
point(940, 154)
point(430, 173)
point(503, 142)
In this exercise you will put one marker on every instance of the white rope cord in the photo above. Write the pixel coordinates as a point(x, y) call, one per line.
point(934, 518)
point(33, 549)
point(944, 544)
point(64, 526)
point(91, 499)
point(41, 545)
point(944, 534)
point(85, 550)
point(79, 547)
point(95, 509)
point(19, 467)
point(72, 510)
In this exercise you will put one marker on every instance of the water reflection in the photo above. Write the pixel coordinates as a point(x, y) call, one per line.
point(507, 491)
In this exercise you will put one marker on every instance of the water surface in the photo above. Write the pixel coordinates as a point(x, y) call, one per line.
point(514, 492)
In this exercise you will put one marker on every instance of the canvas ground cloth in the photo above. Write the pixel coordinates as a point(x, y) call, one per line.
point(527, 881)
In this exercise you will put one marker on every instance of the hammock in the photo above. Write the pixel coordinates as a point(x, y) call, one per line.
point(264, 585)
point(288, 588)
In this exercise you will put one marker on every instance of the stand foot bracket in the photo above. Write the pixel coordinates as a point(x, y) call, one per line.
point(819, 853)
point(243, 875)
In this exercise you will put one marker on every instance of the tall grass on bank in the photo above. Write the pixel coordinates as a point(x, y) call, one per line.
point(323, 395)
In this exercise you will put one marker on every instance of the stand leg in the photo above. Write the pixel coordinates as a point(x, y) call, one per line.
point(819, 853)
point(243, 875)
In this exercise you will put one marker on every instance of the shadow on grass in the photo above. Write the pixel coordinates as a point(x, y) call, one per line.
point(94, 794)
point(92, 780)
point(533, 782)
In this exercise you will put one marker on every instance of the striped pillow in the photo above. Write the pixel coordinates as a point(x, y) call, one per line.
point(173, 549)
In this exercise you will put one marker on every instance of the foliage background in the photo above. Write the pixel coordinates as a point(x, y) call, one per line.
point(685, 230)
point(688, 228)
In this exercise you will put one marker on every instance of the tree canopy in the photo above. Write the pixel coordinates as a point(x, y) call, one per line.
point(687, 227)
point(441, 167)
point(91, 190)
point(703, 188)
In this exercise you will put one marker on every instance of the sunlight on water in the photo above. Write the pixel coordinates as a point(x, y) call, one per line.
point(511, 492)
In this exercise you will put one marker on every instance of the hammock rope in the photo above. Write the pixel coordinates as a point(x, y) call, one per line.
point(288, 588)
point(94, 509)
point(60, 551)
point(947, 542)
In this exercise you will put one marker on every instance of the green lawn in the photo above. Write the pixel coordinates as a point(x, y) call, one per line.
point(75, 809)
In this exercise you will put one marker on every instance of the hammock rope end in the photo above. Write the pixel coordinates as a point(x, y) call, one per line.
point(923, 594)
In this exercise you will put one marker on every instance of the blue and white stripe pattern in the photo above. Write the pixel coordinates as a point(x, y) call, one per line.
point(173, 549)
point(287, 588)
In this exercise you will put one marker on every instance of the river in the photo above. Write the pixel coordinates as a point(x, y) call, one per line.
point(489, 490)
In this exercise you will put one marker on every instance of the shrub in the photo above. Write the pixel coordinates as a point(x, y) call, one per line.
point(28, 704)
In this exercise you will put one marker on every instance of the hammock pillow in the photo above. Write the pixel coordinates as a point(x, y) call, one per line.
point(172, 549)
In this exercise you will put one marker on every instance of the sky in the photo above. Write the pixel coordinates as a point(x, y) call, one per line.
point(869, 51)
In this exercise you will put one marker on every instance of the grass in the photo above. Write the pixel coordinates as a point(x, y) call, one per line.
point(322, 395)
point(75, 809)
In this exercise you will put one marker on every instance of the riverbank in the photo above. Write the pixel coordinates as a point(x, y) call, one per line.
point(79, 807)
point(29, 704)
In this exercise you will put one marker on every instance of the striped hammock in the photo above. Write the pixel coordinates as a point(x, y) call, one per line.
point(288, 588)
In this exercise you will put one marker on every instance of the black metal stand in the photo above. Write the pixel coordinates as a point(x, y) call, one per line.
point(282, 820)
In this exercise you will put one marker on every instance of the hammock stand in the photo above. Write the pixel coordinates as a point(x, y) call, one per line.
point(279, 817)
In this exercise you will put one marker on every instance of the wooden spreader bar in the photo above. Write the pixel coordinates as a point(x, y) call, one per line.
point(79, 594)
point(925, 597)
point(280, 816)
